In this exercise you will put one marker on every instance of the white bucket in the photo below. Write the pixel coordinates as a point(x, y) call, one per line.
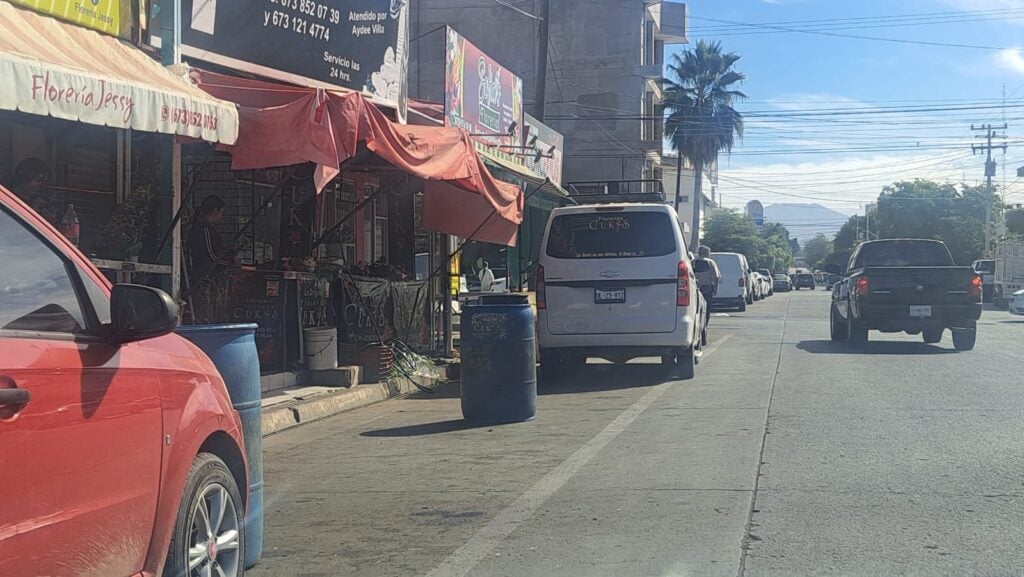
point(321, 348)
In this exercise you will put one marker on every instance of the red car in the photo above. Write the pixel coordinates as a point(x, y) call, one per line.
point(120, 453)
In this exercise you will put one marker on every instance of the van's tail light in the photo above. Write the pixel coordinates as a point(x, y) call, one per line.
point(863, 286)
point(976, 286)
point(742, 282)
point(683, 285)
point(542, 297)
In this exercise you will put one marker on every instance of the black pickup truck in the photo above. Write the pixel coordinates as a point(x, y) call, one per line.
point(906, 285)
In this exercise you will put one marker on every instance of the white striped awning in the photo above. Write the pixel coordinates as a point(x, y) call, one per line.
point(53, 68)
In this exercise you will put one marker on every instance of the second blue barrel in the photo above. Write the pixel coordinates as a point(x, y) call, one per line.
point(499, 360)
point(232, 348)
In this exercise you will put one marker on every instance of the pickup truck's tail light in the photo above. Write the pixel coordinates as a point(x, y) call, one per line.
point(542, 297)
point(976, 285)
point(863, 286)
point(683, 285)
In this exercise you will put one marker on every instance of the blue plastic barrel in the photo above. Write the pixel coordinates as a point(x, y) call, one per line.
point(499, 360)
point(232, 348)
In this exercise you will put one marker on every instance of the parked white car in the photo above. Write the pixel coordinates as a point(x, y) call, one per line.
point(733, 288)
point(1017, 303)
point(615, 281)
point(755, 286)
point(766, 278)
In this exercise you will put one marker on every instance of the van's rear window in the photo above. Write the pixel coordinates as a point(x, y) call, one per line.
point(611, 235)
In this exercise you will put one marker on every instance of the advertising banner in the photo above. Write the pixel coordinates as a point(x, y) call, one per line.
point(549, 144)
point(371, 309)
point(38, 88)
point(481, 95)
point(360, 45)
point(106, 16)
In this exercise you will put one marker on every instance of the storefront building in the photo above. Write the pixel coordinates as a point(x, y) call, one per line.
point(335, 212)
point(85, 116)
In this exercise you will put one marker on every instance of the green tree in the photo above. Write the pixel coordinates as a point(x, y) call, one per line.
point(850, 234)
point(848, 237)
point(817, 250)
point(926, 209)
point(1015, 221)
point(779, 246)
point(729, 231)
point(701, 121)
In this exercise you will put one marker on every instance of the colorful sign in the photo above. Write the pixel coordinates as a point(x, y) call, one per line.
point(102, 15)
point(481, 95)
point(360, 45)
point(544, 153)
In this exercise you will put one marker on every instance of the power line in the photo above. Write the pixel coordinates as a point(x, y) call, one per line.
point(853, 36)
point(890, 17)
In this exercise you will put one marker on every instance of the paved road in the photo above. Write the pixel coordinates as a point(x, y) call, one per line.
point(787, 455)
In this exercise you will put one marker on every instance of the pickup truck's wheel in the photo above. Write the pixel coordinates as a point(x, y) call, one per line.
point(963, 339)
point(932, 336)
point(856, 333)
point(837, 327)
point(209, 530)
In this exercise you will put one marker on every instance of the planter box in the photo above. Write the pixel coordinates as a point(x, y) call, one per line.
point(374, 361)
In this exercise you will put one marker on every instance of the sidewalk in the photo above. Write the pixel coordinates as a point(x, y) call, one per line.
point(294, 406)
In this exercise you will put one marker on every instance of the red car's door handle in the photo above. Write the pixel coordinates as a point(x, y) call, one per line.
point(16, 397)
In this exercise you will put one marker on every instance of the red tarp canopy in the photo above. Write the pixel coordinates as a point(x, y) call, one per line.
point(281, 125)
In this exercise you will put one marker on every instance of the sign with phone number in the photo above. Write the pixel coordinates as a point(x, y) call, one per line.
point(355, 44)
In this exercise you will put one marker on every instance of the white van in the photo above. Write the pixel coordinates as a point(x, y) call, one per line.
point(734, 286)
point(614, 281)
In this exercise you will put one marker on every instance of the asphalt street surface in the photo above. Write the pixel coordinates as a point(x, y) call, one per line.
point(788, 455)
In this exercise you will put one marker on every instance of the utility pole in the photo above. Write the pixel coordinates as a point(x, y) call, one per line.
point(542, 60)
point(990, 171)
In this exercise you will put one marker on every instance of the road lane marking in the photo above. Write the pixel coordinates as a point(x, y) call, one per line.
point(462, 561)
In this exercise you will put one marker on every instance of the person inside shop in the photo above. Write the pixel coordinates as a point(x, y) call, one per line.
point(208, 261)
point(486, 277)
point(205, 246)
point(31, 182)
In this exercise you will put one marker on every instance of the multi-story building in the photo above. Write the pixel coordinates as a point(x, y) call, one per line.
point(604, 59)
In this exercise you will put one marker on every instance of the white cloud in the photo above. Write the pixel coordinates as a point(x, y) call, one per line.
point(1010, 59)
point(812, 100)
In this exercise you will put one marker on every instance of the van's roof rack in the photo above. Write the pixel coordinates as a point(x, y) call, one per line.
point(612, 191)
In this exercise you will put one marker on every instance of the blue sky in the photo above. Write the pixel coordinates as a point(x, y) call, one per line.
point(799, 72)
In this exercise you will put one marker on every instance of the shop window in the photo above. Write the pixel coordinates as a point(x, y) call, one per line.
point(380, 227)
point(342, 201)
point(375, 226)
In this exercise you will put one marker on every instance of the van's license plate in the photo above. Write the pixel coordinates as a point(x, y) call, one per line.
point(920, 311)
point(609, 296)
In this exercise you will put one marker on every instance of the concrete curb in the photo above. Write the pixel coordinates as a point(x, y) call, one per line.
point(281, 418)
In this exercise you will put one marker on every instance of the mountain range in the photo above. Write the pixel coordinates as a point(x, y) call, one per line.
point(804, 221)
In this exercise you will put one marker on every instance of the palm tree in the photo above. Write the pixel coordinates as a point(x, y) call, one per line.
point(701, 119)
